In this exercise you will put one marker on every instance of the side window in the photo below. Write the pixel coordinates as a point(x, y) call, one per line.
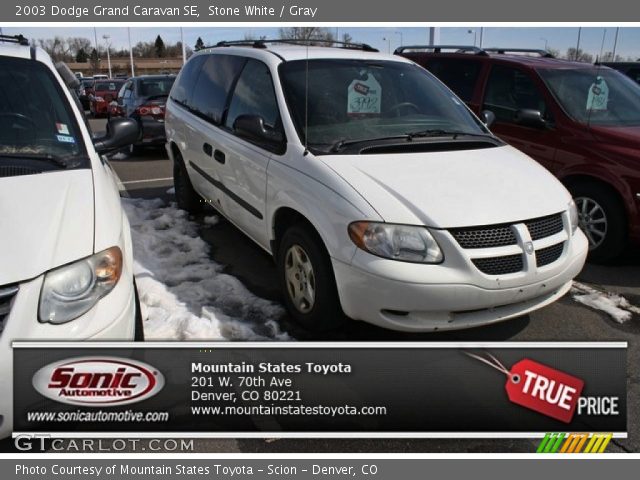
point(125, 91)
point(459, 75)
point(214, 83)
point(509, 90)
point(186, 80)
point(254, 95)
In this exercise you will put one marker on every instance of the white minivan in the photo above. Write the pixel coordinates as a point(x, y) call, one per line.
point(65, 244)
point(376, 190)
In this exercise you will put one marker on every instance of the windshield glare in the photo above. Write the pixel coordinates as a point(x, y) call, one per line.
point(35, 117)
point(352, 100)
point(595, 96)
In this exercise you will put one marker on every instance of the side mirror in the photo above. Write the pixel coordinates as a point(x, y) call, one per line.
point(488, 117)
point(530, 118)
point(121, 132)
point(252, 128)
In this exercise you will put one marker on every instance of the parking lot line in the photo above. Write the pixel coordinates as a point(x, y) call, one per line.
point(149, 180)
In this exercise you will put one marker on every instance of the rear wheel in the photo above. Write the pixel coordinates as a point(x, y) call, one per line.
point(307, 280)
point(186, 197)
point(602, 219)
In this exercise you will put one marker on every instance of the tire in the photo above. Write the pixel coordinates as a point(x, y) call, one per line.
point(186, 197)
point(138, 335)
point(323, 312)
point(602, 219)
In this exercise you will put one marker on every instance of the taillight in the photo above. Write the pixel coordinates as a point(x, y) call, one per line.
point(156, 111)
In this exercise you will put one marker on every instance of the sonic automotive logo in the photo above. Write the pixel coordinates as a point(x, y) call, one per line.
point(98, 381)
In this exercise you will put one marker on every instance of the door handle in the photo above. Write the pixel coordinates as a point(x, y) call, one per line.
point(219, 156)
point(208, 149)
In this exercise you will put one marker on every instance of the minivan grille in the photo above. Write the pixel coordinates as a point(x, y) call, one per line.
point(484, 237)
point(502, 235)
point(548, 255)
point(7, 293)
point(545, 226)
point(499, 265)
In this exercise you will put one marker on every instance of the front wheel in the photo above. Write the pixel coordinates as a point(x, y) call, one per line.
point(602, 219)
point(307, 280)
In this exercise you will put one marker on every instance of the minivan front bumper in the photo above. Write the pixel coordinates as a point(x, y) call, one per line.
point(422, 298)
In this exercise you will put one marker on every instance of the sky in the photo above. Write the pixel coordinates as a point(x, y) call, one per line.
point(592, 39)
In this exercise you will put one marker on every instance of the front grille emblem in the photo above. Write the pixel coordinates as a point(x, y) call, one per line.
point(528, 247)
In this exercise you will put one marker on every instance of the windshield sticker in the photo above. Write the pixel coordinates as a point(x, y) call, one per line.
point(62, 128)
point(65, 139)
point(598, 95)
point(364, 96)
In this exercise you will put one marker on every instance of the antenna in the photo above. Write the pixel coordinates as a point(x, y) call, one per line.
point(306, 103)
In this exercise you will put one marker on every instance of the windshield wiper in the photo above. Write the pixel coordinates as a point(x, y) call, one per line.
point(45, 157)
point(439, 132)
point(340, 144)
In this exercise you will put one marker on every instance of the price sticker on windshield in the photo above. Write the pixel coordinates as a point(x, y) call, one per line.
point(364, 97)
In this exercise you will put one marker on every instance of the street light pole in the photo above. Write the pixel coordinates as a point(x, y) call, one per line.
point(475, 36)
point(546, 43)
point(106, 38)
point(133, 73)
point(388, 39)
point(578, 44)
point(615, 44)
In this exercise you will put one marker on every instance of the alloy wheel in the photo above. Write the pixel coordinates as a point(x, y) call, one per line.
point(593, 220)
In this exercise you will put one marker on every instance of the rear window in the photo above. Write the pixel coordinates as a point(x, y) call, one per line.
point(155, 87)
point(36, 119)
point(108, 86)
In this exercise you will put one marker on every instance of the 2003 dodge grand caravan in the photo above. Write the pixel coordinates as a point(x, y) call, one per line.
point(377, 191)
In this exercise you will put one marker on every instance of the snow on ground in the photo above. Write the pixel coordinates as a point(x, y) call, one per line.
point(119, 156)
point(616, 306)
point(184, 294)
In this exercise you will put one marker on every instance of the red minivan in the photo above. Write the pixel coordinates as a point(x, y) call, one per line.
point(580, 121)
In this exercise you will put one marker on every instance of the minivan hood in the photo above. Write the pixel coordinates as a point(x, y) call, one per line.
point(453, 189)
point(47, 221)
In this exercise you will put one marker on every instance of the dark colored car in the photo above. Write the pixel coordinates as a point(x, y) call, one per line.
point(104, 92)
point(630, 69)
point(580, 121)
point(144, 98)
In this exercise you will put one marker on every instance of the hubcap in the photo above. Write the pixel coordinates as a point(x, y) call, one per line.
point(593, 221)
point(301, 280)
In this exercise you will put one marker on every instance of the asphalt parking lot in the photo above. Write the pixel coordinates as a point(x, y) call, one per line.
point(149, 175)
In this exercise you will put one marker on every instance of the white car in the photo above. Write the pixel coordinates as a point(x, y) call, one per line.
point(65, 244)
point(376, 190)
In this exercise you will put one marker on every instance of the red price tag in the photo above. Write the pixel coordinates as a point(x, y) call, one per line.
point(544, 389)
point(538, 387)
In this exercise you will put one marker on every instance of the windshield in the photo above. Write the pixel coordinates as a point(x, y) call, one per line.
point(156, 87)
point(595, 96)
point(36, 121)
point(353, 100)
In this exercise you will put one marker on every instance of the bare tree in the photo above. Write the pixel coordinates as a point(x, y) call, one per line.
point(312, 35)
point(346, 38)
point(579, 55)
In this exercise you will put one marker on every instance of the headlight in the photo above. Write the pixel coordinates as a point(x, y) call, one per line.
point(574, 220)
point(397, 242)
point(70, 291)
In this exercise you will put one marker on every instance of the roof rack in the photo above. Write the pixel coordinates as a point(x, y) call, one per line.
point(291, 41)
point(439, 48)
point(19, 39)
point(542, 53)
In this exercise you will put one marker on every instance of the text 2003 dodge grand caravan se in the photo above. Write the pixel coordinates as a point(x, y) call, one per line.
point(376, 190)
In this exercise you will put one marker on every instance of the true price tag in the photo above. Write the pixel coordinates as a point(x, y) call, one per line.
point(544, 389)
point(539, 387)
